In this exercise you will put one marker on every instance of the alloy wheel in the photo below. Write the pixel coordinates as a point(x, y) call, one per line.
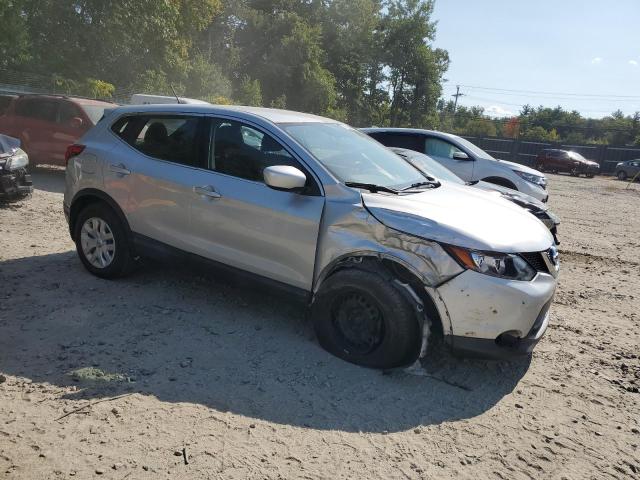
point(98, 243)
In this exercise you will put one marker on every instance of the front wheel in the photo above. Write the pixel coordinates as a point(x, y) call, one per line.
point(102, 243)
point(622, 175)
point(540, 167)
point(362, 318)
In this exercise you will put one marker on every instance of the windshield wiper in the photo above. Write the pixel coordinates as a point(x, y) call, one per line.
point(433, 183)
point(372, 187)
point(472, 182)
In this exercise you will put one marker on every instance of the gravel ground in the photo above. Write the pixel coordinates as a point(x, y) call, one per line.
point(168, 374)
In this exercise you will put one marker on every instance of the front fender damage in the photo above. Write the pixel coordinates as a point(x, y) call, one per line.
point(350, 233)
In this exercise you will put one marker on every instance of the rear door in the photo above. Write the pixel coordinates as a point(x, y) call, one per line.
point(443, 152)
point(153, 171)
point(238, 220)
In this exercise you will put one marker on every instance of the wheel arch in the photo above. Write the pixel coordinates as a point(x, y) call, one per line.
point(503, 182)
point(89, 196)
point(409, 280)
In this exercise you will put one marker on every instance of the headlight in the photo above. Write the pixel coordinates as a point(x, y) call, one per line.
point(619, 163)
point(503, 265)
point(19, 160)
point(531, 178)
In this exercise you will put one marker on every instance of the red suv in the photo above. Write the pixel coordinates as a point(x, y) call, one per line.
point(47, 124)
point(555, 160)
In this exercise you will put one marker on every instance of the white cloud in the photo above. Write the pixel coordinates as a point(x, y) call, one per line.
point(633, 63)
point(596, 61)
point(498, 112)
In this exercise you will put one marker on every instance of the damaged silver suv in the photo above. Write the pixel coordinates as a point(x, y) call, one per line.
point(389, 258)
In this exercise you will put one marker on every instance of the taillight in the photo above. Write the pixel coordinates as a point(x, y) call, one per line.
point(73, 151)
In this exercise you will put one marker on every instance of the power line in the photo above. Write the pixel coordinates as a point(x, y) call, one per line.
point(538, 92)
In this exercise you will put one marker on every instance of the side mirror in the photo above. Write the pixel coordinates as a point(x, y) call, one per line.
point(284, 177)
point(458, 155)
point(75, 122)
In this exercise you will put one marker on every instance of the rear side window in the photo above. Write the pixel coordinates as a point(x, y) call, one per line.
point(174, 138)
point(68, 111)
point(40, 109)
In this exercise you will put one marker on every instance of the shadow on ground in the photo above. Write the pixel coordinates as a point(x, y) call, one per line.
point(185, 337)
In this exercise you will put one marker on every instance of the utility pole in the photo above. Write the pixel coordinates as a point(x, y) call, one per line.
point(457, 95)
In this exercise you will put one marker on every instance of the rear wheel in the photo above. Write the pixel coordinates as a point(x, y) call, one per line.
point(102, 243)
point(622, 175)
point(362, 318)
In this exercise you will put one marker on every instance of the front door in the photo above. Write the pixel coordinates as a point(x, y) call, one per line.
point(238, 220)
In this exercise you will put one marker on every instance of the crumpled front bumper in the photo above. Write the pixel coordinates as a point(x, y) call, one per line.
point(15, 184)
point(493, 317)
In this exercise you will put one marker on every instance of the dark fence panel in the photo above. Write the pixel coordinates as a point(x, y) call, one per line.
point(525, 152)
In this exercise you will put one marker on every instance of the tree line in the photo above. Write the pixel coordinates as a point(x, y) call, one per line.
point(363, 61)
point(543, 124)
point(366, 62)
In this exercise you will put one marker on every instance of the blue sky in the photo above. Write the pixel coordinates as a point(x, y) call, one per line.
point(589, 49)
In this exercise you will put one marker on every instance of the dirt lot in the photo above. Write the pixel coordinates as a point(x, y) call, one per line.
point(235, 380)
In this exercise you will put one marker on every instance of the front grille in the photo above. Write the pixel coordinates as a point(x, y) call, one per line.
point(536, 260)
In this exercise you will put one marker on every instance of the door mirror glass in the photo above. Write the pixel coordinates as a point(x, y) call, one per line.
point(284, 177)
point(458, 155)
point(75, 122)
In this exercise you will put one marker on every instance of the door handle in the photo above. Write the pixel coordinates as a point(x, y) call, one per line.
point(120, 169)
point(207, 191)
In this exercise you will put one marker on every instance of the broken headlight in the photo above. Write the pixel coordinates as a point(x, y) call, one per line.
point(18, 160)
point(504, 265)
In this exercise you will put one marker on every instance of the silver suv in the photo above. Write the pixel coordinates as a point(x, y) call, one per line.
point(388, 257)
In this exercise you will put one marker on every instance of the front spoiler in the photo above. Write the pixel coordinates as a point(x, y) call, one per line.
point(500, 348)
point(15, 184)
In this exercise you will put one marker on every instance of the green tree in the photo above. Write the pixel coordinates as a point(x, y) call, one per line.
point(249, 92)
point(415, 68)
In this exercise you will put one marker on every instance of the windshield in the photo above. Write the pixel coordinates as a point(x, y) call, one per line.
point(353, 156)
point(428, 165)
point(94, 112)
point(476, 151)
point(576, 156)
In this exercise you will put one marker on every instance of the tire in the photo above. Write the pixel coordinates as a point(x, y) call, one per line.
point(388, 334)
point(112, 233)
point(540, 167)
point(589, 175)
point(574, 172)
point(622, 175)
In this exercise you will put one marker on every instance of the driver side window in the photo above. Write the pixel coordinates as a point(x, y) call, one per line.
point(440, 148)
point(242, 151)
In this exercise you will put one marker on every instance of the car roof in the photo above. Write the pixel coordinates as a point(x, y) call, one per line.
point(434, 133)
point(78, 100)
point(273, 115)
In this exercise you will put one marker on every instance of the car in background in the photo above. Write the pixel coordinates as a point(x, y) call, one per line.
point(628, 169)
point(388, 258)
point(144, 99)
point(15, 181)
point(535, 207)
point(47, 124)
point(5, 101)
point(465, 159)
point(555, 160)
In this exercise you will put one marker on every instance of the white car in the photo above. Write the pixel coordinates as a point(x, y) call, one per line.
point(465, 159)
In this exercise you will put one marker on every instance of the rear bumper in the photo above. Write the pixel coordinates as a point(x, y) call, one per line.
point(15, 184)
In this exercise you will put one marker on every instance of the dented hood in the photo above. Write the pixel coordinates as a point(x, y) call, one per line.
point(458, 215)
